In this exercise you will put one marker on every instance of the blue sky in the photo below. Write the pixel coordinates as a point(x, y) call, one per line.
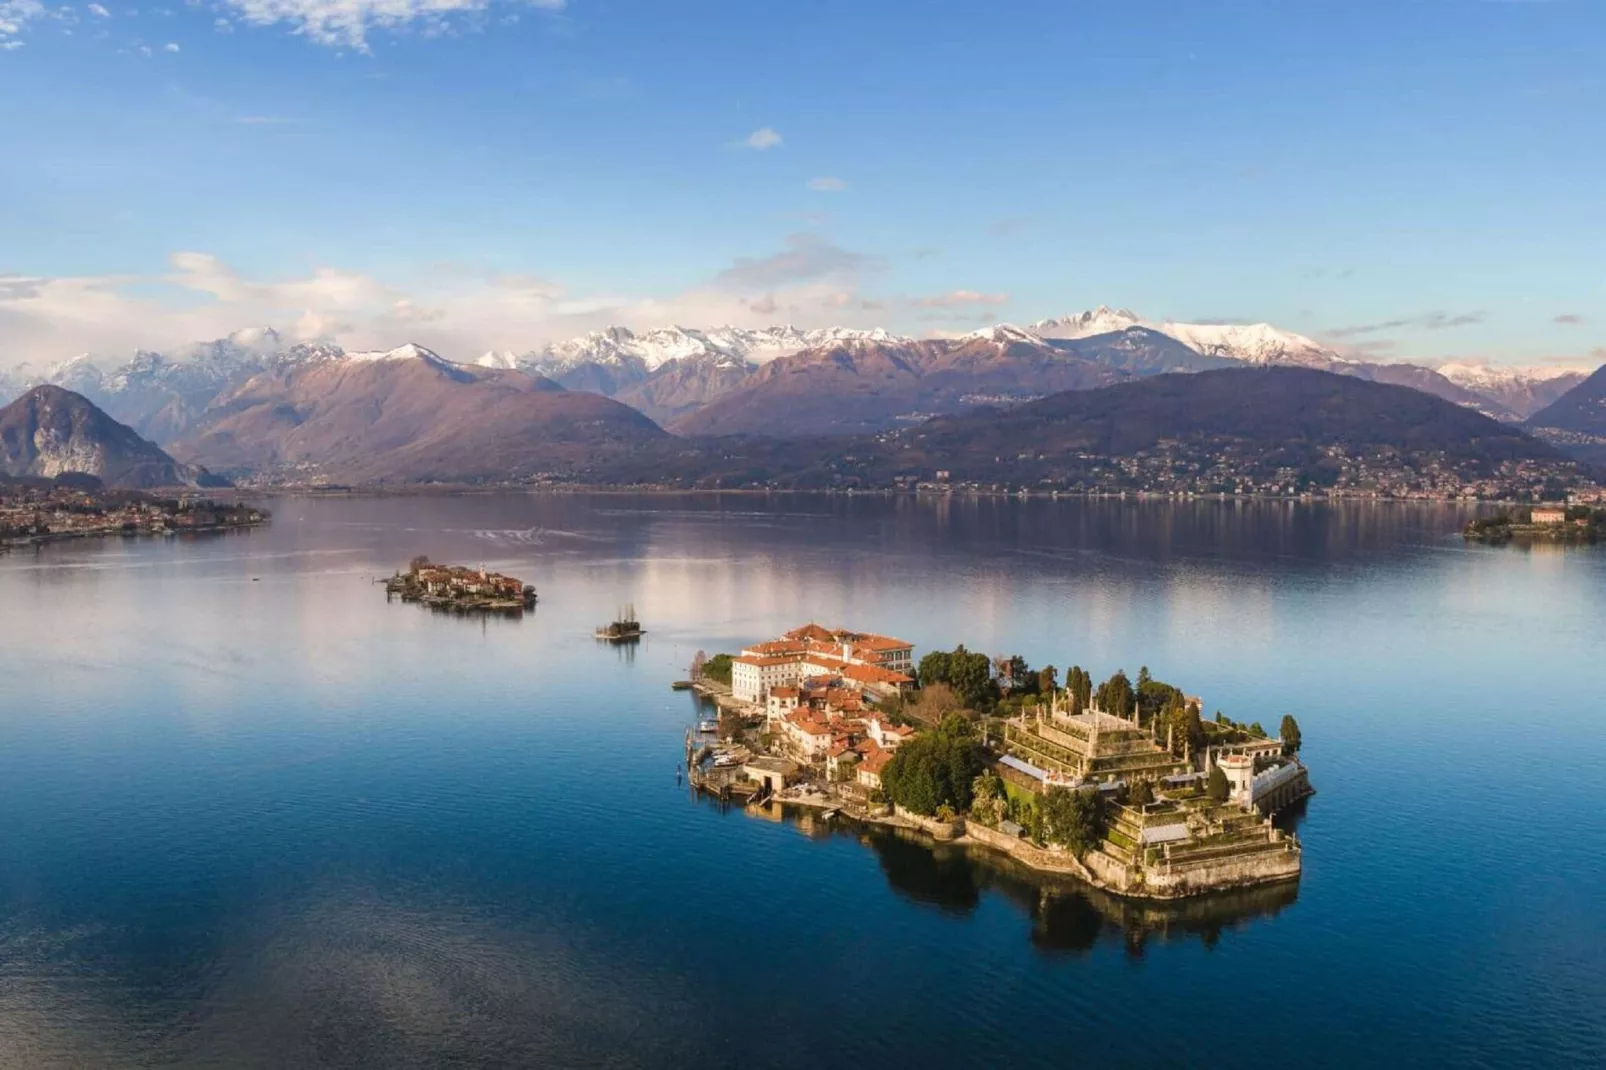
point(1417, 179)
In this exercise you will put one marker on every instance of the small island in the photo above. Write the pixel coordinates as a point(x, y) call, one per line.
point(1541, 523)
point(79, 507)
point(624, 628)
point(458, 589)
point(1123, 785)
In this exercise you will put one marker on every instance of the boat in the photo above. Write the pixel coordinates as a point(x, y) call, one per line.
point(708, 726)
point(625, 629)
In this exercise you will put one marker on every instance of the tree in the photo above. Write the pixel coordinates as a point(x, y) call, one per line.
point(938, 701)
point(1074, 818)
point(971, 676)
point(718, 669)
point(1257, 730)
point(1216, 785)
point(937, 768)
point(1047, 680)
point(1289, 733)
point(1142, 793)
point(987, 799)
point(933, 668)
point(1116, 695)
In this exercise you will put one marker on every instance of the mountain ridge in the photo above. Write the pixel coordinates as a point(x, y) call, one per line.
point(51, 432)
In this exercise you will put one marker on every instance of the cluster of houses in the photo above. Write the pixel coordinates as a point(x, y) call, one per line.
point(819, 687)
point(460, 588)
point(457, 580)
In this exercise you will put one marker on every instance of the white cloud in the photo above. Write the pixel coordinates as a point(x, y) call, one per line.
point(15, 16)
point(99, 12)
point(460, 313)
point(762, 139)
point(827, 184)
point(170, 47)
point(347, 23)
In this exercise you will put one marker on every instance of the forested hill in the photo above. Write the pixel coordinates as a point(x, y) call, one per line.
point(1238, 430)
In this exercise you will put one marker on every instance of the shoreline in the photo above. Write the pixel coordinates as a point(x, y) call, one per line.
point(452, 490)
point(120, 533)
point(1038, 860)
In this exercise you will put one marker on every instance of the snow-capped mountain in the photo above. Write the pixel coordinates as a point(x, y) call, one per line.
point(1481, 375)
point(647, 351)
point(1004, 334)
point(407, 351)
point(1253, 343)
point(1522, 390)
point(1101, 320)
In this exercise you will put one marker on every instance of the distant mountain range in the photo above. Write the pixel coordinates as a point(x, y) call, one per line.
point(408, 415)
point(50, 432)
point(1239, 429)
point(1577, 420)
point(248, 402)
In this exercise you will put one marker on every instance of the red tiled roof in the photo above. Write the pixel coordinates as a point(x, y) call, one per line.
point(874, 674)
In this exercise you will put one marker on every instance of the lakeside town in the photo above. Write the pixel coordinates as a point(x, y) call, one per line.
point(1123, 785)
point(48, 510)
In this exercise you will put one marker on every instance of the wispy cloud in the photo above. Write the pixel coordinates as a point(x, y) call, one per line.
point(762, 139)
point(806, 257)
point(170, 47)
point(347, 23)
point(98, 11)
point(962, 298)
point(15, 15)
point(1430, 321)
point(1569, 319)
point(827, 184)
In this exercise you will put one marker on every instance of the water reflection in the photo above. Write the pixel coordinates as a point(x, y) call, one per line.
point(1066, 916)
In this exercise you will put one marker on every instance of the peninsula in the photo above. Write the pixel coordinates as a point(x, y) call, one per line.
point(1542, 523)
point(1124, 785)
point(78, 507)
point(458, 589)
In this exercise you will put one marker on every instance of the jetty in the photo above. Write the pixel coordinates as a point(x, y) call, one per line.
point(458, 589)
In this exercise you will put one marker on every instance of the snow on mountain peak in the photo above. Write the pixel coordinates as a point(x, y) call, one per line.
point(1101, 320)
point(408, 351)
point(1483, 374)
point(1255, 343)
point(1005, 334)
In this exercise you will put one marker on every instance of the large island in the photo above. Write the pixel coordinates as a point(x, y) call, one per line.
point(1123, 785)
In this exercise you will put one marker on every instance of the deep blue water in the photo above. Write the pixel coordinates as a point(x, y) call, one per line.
point(252, 815)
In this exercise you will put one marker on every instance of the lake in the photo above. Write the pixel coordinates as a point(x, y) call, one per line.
point(255, 816)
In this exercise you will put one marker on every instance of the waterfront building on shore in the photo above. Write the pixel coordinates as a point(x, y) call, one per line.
point(875, 663)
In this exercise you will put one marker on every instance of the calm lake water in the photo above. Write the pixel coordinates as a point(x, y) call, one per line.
point(254, 816)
